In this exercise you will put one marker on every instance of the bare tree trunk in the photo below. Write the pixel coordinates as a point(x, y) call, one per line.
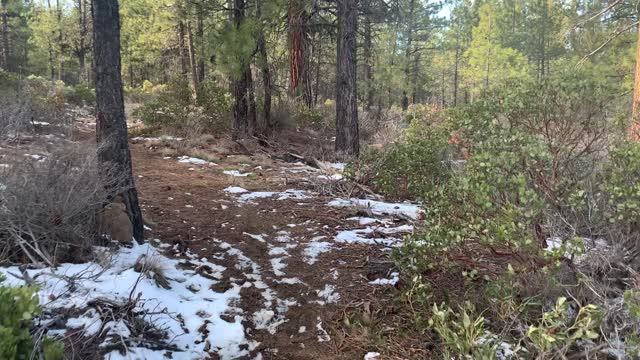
point(299, 64)
point(200, 42)
point(193, 62)
point(347, 137)
point(82, 46)
point(4, 59)
point(182, 49)
point(455, 75)
point(266, 73)
point(111, 127)
point(60, 42)
point(407, 53)
point(251, 97)
point(239, 84)
point(635, 112)
point(368, 45)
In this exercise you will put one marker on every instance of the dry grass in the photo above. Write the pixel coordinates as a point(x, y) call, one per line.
point(49, 206)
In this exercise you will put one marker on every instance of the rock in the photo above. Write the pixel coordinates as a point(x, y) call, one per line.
point(113, 221)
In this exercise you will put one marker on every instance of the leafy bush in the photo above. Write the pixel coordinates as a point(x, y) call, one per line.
point(539, 180)
point(79, 95)
point(18, 307)
point(410, 168)
point(172, 108)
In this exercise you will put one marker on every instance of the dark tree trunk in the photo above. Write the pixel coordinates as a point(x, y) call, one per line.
point(368, 45)
point(82, 44)
point(347, 137)
point(266, 73)
point(182, 49)
point(455, 76)
point(240, 106)
point(111, 127)
point(407, 53)
point(299, 77)
point(251, 98)
point(193, 62)
point(200, 42)
point(60, 42)
point(4, 57)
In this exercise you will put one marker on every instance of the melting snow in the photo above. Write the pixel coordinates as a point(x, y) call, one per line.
point(381, 208)
point(236, 173)
point(235, 190)
point(382, 281)
point(118, 281)
point(195, 161)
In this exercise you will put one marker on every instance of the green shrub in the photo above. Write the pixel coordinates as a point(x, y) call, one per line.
point(410, 168)
point(18, 306)
point(79, 95)
point(172, 108)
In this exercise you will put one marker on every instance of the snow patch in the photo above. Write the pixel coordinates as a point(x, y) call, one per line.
point(381, 208)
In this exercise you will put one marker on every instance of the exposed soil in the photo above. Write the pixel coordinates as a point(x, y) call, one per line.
point(188, 208)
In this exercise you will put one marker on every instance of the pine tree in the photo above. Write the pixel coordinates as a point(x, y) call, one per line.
point(111, 126)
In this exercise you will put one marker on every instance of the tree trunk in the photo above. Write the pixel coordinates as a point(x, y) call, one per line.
point(407, 53)
point(455, 74)
point(182, 49)
point(299, 79)
point(200, 42)
point(251, 98)
point(4, 59)
point(239, 84)
point(635, 112)
point(82, 46)
point(266, 73)
point(60, 42)
point(111, 127)
point(368, 45)
point(193, 62)
point(347, 137)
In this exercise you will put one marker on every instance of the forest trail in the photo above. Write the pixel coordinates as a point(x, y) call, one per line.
point(299, 261)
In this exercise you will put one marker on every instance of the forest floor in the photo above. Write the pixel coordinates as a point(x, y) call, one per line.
point(316, 259)
point(294, 266)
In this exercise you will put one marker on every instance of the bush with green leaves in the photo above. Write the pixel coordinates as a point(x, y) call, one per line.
point(79, 95)
point(541, 177)
point(18, 307)
point(173, 108)
point(410, 168)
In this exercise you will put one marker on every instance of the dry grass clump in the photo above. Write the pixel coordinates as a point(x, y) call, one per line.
point(48, 207)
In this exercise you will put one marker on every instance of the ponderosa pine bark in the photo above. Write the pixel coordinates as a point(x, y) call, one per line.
point(241, 127)
point(299, 63)
point(111, 126)
point(347, 131)
point(195, 85)
point(263, 61)
point(4, 28)
point(367, 52)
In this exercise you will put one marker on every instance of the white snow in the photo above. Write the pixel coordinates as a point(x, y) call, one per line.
point(117, 282)
point(381, 208)
point(382, 281)
point(371, 355)
point(195, 161)
point(315, 248)
point(328, 294)
point(367, 235)
point(278, 265)
point(236, 173)
point(235, 190)
point(323, 336)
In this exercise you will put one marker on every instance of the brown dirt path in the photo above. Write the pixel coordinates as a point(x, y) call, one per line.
point(287, 302)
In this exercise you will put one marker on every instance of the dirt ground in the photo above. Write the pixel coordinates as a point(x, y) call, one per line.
point(188, 208)
point(306, 294)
